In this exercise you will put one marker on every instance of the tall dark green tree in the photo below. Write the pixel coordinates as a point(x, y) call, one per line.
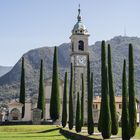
point(82, 101)
point(114, 128)
point(103, 66)
point(78, 115)
point(41, 98)
point(55, 97)
point(125, 107)
point(131, 88)
point(106, 115)
point(71, 100)
point(22, 88)
point(64, 111)
point(90, 97)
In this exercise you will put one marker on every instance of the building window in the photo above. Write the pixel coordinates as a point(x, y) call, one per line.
point(120, 106)
point(95, 106)
point(81, 45)
point(72, 46)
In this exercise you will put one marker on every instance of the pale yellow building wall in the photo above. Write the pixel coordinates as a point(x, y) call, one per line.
point(97, 106)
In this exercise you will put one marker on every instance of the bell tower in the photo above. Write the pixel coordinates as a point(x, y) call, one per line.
point(79, 54)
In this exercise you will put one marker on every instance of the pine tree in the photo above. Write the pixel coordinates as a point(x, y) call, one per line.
point(78, 115)
point(103, 65)
point(55, 97)
point(41, 98)
point(125, 110)
point(106, 117)
point(22, 88)
point(64, 111)
point(90, 97)
point(82, 102)
point(131, 88)
point(71, 100)
point(114, 128)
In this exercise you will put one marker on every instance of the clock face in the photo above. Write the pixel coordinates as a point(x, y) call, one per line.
point(81, 60)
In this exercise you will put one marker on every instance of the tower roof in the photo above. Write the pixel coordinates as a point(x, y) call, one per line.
point(79, 27)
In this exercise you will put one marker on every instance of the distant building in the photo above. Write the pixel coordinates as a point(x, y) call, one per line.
point(118, 100)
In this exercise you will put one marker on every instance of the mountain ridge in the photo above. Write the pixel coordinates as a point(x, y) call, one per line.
point(9, 83)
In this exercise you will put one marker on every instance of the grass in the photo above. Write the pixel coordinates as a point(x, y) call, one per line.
point(42, 132)
point(30, 132)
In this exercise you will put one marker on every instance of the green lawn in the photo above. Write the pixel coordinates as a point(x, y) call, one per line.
point(41, 132)
point(30, 132)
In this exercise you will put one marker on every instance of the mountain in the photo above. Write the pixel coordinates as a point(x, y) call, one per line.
point(4, 70)
point(9, 83)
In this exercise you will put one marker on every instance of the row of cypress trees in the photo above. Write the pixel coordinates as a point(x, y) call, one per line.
point(80, 103)
point(129, 115)
point(105, 120)
point(108, 109)
point(41, 98)
point(55, 101)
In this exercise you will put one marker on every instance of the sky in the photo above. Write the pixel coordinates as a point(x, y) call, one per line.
point(30, 24)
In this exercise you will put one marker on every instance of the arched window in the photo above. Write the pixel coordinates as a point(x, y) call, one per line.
point(81, 45)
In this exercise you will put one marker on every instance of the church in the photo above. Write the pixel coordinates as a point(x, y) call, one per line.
point(79, 55)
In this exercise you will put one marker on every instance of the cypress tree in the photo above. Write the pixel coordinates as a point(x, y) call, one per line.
point(114, 128)
point(103, 65)
point(131, 88)
point(82, 101)
point(41, 98)
point(22, 88)
point(64, 111)
point(106, 117)
point(78, 115)
point(90, 97)
point(125, 111)
point(55, 99)
point(71, 100)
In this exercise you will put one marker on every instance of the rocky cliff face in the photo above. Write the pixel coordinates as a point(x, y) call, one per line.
point(9, 83)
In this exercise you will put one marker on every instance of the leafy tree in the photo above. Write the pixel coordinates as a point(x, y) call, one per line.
point(90, 97)
point(78, 115)
point(82, 101)
point(106, 117)
point(132, 98)
point(71, 100)
point(125, 110)
point(22, 88)
point(41, 98)
point(64, 111)
point(114, 128)
point(55, 97)
point(103, 66)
